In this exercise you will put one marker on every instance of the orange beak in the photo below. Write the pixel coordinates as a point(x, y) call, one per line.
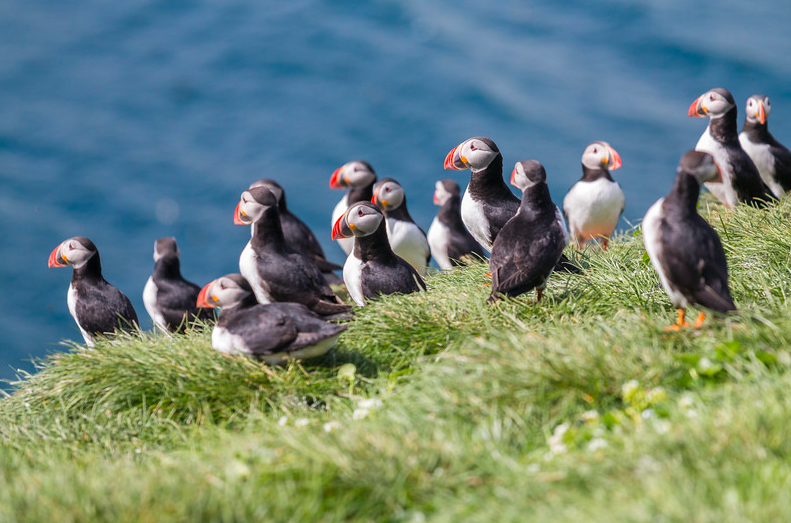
point(761, 113)
point(335, 180)
point(202, 301)
point(53, 258)
point(373, 199)
point(336, 229)
point(436, 200)
point(616, 159)
point(513, 175)
point(449, 160)
point(695, 109)
point(237, 215)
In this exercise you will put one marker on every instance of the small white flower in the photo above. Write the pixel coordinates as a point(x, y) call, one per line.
point(555, 441)
point(629, 388)
point(596, 444)
point(589, 416)
point(655, 395)
point(685, 401)
point(369, 403)
point(301, 422)
point(647, 413)
point(331, 426)
point(359, 414)
point(662, 426)
point(283, 421)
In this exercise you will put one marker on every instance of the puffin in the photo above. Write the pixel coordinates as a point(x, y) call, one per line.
point(297, 234)
point(741, 182)
point(273, 333)
point(96, 306)
point(372, 268)
point(593, 204)
point(275, 270)
point(169, 298)
point(531, 243)
point(406, 238)
point(684, 249)
point(770, 157)
point(488, 203)
point(359, 177)
point(449, 239)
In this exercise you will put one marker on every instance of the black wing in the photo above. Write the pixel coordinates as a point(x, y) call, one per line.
point(300, 237)
point(399, 277)
point(782, 164)
point(103, 309)
point(498, 216)
point(264, 328)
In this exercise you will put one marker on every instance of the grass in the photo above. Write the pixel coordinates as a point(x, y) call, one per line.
point(437, 407)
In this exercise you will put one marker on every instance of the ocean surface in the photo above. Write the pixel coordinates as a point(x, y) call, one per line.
point(131, 120)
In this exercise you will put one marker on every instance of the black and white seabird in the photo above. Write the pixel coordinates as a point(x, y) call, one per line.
point(359, 177)
point(169, 298)
point(273, 333)
point(297, 234)
point(406, 238)
point(531, 243)
point(741, 182)
point(770, 157)
point(96, 306)
point(372, 268)
point(594, 204)
point(449, 239)
point(276, 271)
point(684, 249)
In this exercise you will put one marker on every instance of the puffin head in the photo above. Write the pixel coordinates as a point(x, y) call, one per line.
point(165, 246)
point(444, 190)
point(701, 165)
point(601, 156)
point(388, 194)
point(74, 251)
point(252, 205)
point(273, 186)
point(714, 103)
point(527, 174)
point(225, 291)
point(360, 219)
point(476, 154)
point(353, 174)
point(758, 108)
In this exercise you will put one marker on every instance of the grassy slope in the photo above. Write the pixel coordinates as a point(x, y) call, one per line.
point(580, 408)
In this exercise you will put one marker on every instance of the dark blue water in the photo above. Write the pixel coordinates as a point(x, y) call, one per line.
point(127, 121)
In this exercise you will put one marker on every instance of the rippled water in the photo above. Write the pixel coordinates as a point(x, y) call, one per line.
point(128, 121)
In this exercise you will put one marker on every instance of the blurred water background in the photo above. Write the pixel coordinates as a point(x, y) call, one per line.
point(128, 121)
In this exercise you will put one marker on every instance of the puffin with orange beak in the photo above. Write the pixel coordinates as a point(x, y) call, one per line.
point(358, 176)
point(594, 204)
point(771, 157)
point(273, 333)
point(741, 182)
point(275, 270)
point(372, 269)
point(406, 238)
point(684, 249)
point(96, 306)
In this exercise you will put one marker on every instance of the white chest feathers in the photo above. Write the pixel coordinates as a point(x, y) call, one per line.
point(71, 301)
point(438, 241)
point(408, 241)
point(228, 343)
point(593, 209)
point(762, 157)
point(248, 267)
point(475, 220)
point(652, 237)
point(724, 191)
point(352, 277)
point(150, 302)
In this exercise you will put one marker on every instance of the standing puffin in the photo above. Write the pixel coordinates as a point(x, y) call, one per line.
point(273, 333)
point(449, 239)
point(297, 234)
point(741, 182)
point(96, 306)
point(594, 204)
point(531, 243)
point(167, 296)
point(770, 157)
point(684, 249)
point(406, 238)
point(359, 177)
point(372, 268)
point(276, 271)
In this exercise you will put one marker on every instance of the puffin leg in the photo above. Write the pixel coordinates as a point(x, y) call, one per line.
point(604, 242)
point(679, 323)
point(539, 294)
point(699, 321)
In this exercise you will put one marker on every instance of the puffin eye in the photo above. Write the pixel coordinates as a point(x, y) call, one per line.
point(388, 189)
point(711, 97)
point(472, 147)
point(360, 212)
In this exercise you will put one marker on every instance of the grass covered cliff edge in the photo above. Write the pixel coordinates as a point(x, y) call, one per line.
point(438, 407)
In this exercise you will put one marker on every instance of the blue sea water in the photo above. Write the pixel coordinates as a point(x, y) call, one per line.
point(128, 121)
